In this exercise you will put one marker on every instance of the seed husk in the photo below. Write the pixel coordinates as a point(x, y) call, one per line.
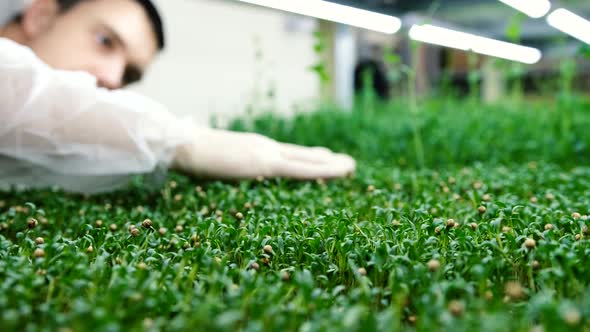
point(433, 265)
point(450, 223)
point(456, 308)
point(481, 209)
point(576, 215)
point(572, 317)
point(514, 290)
point(147, 223)
point(148, 323)
point(285, 276)
point(32, 223)
point(134, 231)
point(530, 243)
point(362, 271)
point(268, 249)
point(39, 240)
point(39, 253)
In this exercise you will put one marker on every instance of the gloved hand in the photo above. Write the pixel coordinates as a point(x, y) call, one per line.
point(231, 155)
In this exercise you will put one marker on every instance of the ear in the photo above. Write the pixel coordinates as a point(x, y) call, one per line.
point(39, 17)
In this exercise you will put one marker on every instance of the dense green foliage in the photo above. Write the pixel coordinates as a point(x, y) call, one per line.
point(461, 217)
point(450, 131)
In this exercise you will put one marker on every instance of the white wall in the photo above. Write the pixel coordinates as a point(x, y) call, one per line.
point(210, 68)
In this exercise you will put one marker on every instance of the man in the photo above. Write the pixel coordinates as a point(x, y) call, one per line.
point(61, 126)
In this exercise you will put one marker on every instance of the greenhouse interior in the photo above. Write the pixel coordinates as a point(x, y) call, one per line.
point(294, 165)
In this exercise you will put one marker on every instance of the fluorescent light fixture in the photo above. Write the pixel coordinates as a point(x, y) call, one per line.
point(335, 12)
point(532, 8)
point(468, 42)
point(571, 24)
point(440, 36)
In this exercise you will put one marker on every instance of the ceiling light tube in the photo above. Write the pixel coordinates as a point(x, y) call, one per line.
point(336, 13)
point(532, 8)
point(571, 24)
point(469, 42)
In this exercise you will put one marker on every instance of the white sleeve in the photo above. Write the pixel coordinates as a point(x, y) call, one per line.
point(58, 129)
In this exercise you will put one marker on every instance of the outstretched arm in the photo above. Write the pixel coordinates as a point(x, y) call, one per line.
point(224, 154)
point(58, 128)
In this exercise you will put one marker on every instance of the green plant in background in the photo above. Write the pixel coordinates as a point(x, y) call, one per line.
point(567, 74)
point(367, 97)
point(263, 94)
point(515, 70)
point(584, 51)
point(474, 77)
point(320, 68)
point(398, 73)
point(413, 105)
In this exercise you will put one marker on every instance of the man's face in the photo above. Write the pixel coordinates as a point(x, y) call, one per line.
point(110, 39)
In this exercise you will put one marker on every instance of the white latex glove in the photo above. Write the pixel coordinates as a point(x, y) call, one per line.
point(223, 154)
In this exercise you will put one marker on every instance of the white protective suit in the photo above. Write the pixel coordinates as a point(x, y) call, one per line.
point(58, 129)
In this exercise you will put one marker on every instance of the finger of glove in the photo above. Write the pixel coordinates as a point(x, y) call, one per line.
point(301, 153)
point(303, 170)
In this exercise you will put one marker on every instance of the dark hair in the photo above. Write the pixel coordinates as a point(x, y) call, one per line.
point(148, 6)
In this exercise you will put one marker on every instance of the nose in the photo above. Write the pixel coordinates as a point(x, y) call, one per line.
point(109, 75)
